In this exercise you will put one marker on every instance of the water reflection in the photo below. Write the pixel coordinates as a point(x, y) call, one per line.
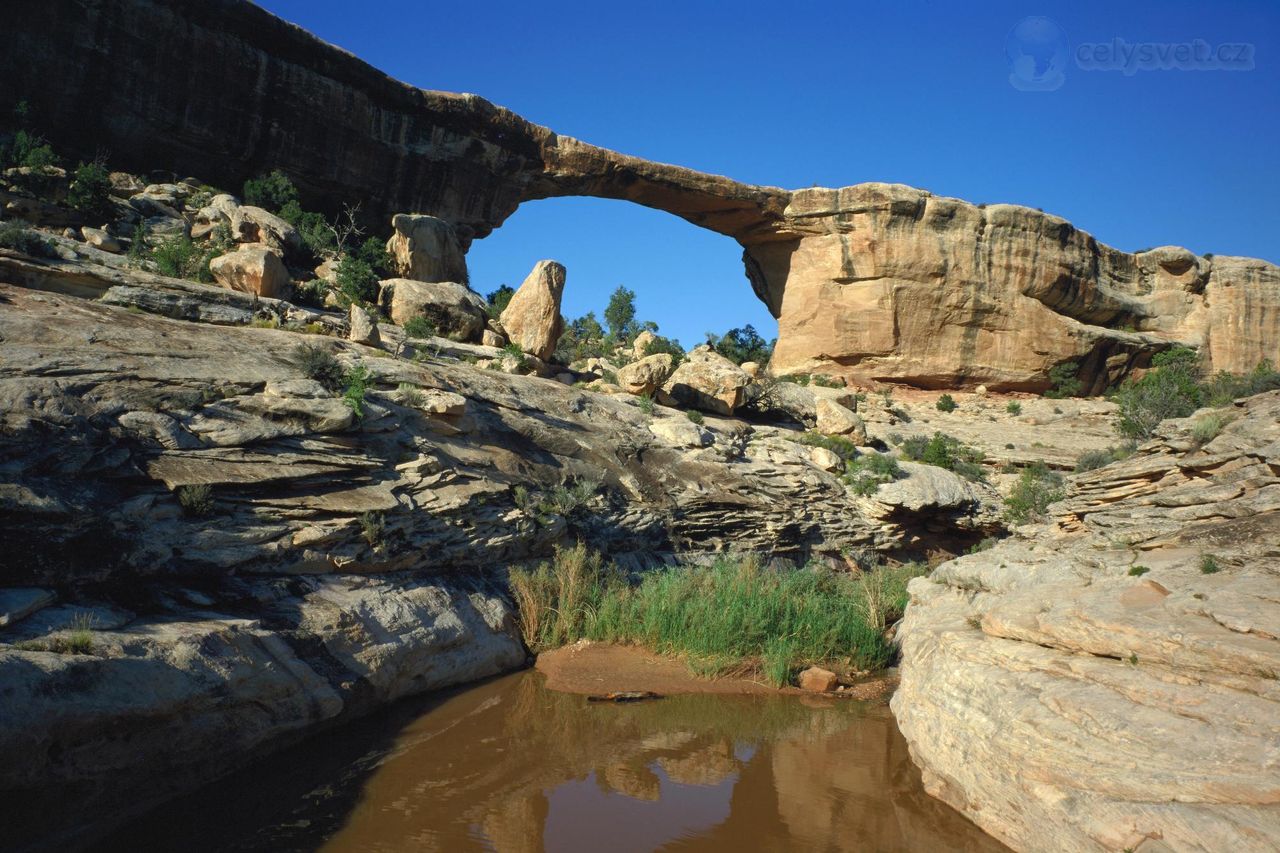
point(510, 766)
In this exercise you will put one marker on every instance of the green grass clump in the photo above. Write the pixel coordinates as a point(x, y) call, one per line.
point(946, 403)
point(1138, 571)
point(319, 364)
point(356, 386)
point(420, 328)
point(1209, 565)
point(645, 402)
point(1037, 487)
point(837, 444)
point(731, 614)
point(1206, 427)
point(15, 236)
point(695, 416)
point(866, 473)
point(1013, 408)
point(196, 499)
point(1094, 459)
point(945, 451)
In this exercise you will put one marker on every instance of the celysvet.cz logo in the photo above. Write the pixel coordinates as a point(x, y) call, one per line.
point(1039, 55)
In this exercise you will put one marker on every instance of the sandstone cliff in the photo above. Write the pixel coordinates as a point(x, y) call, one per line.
point(874, 282)
point(1107, 681)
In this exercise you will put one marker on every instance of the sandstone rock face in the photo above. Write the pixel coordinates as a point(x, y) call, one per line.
point(452, 307)
point(100, 239)
point(874, 282)
point(641, 343)
point(532, 317)
point(646, 375)
point(425, 248)
point(252, 269)
point(707, 380)
point(834, 419)
point(1089, 684)
point(363, 328)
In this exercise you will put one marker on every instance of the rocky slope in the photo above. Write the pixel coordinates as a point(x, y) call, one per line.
point(1107, 681)
point(208, 554)
point(875, 282)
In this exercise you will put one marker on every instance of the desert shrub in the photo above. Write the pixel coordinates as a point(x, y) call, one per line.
point(319, 364)
point(1222, 388)
point(179, 257)
point(695, 416)
point(1209, 565)
point(316, 233)
point(945, 451)
point(1168, 390)
point(564, 500)
point(865, 473)
point(645, 401)
point(946, 403)
point(196, 500)
point(420, 328)
point(1063, 381)
point(90, 191)
point(731, 614)
point(271, 191)
point(356, 385)
point(1094, 459)
point(1138, 571)
point(582, 338)
point(15, 236)
point(672, 347)
point(373, 252)
point(499, 299)
point(1205, 428)
point(373, 528)
point(837, 444)
point(1036, 488)
point(742, 345)
point(1014, 408)
point(357, 281)
point(823, 381)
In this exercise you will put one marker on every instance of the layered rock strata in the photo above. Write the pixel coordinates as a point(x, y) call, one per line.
point(1107, 681)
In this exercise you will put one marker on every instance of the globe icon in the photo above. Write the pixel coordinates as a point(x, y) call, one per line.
point(1037, 51)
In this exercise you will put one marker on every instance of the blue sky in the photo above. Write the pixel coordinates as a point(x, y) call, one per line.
point(836, 93)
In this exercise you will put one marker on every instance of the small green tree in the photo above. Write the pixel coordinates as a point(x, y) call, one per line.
point(620, 314)
point(1063, 381)
point(741, 345)
point(946, 403)
point(271, 191)
point(1036, 488)
point(1168, 390)
point(357, 281)
point(499, 300)
point(90, 191)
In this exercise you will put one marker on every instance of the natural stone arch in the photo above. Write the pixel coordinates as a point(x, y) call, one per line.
point(874, 282)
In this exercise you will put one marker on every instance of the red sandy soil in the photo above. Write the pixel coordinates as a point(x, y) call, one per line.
point(596, 668)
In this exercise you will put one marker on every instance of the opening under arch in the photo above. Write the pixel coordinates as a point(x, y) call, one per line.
point(686, 279)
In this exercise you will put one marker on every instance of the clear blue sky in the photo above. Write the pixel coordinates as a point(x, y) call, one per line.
point(836, 93)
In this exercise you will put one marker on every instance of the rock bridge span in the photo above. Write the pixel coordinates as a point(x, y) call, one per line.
point(875, 282)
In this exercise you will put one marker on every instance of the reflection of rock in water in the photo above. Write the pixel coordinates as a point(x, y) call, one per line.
point(710, 765)
point(498, 766)
point(637, 782)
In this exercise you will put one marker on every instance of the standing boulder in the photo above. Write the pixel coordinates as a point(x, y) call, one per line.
point(532, 317)
point(252, 269)
point(456, 312)
point(646, 375)
point(363, 328)
point(707, 380)
point(835, 419)
point(640, 346)
point(424, 248)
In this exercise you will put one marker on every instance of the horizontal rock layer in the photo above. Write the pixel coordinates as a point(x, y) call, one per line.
point(876, 282)
point(1108, 681)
